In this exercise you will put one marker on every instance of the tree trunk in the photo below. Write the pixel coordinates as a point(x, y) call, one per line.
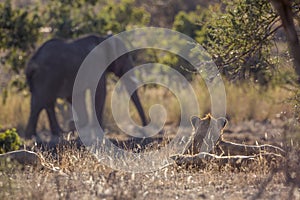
point(284, 9)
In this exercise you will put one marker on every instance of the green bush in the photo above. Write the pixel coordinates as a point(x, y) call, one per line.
point(240, 37)
point(193, 24)
point(9, 140)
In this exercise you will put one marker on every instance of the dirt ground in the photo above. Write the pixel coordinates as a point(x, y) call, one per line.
point(79, 176)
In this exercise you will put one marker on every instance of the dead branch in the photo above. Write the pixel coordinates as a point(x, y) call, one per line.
point(202, 158)
point(231, 148)
point(231, 153)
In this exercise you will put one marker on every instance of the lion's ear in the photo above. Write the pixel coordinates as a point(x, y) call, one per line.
point(195, 121)
point(221, 122)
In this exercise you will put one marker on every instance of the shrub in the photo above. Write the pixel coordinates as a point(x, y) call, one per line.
point(9, 140)
point(240, 37)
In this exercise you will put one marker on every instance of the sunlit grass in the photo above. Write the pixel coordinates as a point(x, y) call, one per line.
point(247, 102)
point(14, 113)
point(244, 102)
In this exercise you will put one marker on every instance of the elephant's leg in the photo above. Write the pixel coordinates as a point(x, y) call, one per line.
point(81, 113)
point(55, 129)
point(71, 122)
point(100, 100)
point(130, 84)
point(69, 99)
point(138, 105)
point(35, 109)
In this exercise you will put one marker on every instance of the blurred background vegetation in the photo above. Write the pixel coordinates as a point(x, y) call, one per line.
point(244, 37)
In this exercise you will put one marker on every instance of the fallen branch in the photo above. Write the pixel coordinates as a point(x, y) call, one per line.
point(202, 158)
point(23, 157)
point(27, 158)
point(231, 148)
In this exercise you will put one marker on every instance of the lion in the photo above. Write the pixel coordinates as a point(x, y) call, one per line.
point(206, 142)
point(206, 133)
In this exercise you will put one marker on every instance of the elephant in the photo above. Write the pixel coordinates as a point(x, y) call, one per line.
point(51, 73)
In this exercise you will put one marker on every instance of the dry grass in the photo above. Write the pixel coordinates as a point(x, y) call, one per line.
point(244, 102)
point(248, 102)
point(82, 177)
point(15, 112)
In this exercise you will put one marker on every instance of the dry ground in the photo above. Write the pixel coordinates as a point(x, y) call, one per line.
point(80, 176)
point(169, 183)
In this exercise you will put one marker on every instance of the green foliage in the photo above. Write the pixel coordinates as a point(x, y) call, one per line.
point(9, 141)
point(192, 24)
point(19, 31)
point(186, 23)
point(240, 39)
point(19, 28)
point(125, 15)
point(70, 20)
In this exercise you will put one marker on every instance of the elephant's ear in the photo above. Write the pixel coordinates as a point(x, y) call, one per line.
point(221, 122)
point(195, 121)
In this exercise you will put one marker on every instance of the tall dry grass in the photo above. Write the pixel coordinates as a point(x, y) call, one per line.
point(14, 113)
point(244, 102)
